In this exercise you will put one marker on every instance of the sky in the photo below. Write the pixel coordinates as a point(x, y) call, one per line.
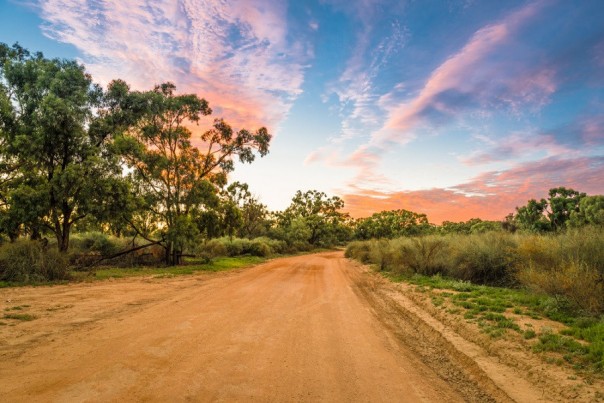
point(455, 109)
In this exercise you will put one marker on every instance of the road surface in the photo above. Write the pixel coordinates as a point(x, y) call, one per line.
point(293, 329)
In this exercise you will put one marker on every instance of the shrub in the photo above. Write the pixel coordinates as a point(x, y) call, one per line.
point(225, 246)
point(260, 248)
point(426, 255)
point(104, 244)
point(30, 261)
point(382, 254)
point(358, 250)
point(569, 266)
point(214, 248)
point(488, 258)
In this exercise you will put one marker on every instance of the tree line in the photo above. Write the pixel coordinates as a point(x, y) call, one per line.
point(77, 157)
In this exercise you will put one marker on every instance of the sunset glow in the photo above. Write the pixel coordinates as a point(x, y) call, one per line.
point(456, 109)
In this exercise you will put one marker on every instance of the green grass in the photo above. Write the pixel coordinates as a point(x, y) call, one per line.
point(16, 308)
point(581, 344)
point(191, 266)
point(19, 316)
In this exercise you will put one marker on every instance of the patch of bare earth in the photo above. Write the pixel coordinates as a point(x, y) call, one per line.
point(307, 328)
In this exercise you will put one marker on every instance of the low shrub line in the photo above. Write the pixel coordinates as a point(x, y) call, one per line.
point(568, 266)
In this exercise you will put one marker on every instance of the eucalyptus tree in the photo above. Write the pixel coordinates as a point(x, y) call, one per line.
point(179, 180)
point(254, 215)
point(314, 216)
point(392, 224)
point(56, 126)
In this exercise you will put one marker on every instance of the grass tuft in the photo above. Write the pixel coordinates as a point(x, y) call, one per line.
point(20, 316)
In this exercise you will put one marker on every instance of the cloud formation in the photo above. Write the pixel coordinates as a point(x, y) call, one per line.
point(236, 54)
point(490, 195)
point(469, 78)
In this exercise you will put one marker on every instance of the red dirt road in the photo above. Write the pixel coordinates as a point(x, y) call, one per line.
point(293, 329)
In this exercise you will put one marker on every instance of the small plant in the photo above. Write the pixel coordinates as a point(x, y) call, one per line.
point(20, 316)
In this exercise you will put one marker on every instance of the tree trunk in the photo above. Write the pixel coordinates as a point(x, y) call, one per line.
point(63, 241)
point(62, 235)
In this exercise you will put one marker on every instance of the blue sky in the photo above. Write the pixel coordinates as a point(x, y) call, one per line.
point(452, 108)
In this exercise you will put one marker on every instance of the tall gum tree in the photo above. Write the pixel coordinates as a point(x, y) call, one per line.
point(55, 127)
point(178, 180)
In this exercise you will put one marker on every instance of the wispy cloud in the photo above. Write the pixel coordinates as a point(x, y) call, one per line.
point(467, 79)
point(517, 146)
point(355, 88)
point(236, 54)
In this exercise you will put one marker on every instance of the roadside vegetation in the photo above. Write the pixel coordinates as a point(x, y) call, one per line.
point(544, 261)
point(93, 178)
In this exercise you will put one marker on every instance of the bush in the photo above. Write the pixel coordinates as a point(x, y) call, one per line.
point(30, 261)
point(105, 245)
point(359, 250)
point(215, 248)
point(488, 258)
point(569, 266)
point(426, 255)
point(382, 254)
point(261, 246)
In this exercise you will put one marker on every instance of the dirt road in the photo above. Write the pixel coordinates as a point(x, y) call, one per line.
point(293, 329)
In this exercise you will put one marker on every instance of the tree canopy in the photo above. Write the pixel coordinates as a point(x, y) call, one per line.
point(177, 179)
point(55, 130)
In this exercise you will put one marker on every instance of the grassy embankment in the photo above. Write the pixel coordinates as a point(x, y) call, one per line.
point(505, 283)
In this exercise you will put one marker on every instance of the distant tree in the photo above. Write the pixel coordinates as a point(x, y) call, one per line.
point(562, 203)
point(551, 214)
point(532, 216)
point(485, 226)
point(56, 127)
point(590, 212)
point(254, 215)
point(319, 214)
point(179, 182)
point(392, 224)
point(509, 224)
point(461, 227)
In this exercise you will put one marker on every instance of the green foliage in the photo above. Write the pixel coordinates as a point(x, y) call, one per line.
point(177, 182)
point(590, 212)
point(252, 220)
point(569, 266)
point(55, 130)
point(31, 262)
point(262, 246)
point(488, 258)
point(104, 244)
point(555, 213)
point(312, 218)
point(392, 224)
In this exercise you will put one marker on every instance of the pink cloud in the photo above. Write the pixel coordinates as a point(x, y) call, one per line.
point(518, 145)
point(250, 81)
point(592, 130)
point(453, 74)
point(489, 196)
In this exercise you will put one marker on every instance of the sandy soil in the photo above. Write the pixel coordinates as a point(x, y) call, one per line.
point(307, 328)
